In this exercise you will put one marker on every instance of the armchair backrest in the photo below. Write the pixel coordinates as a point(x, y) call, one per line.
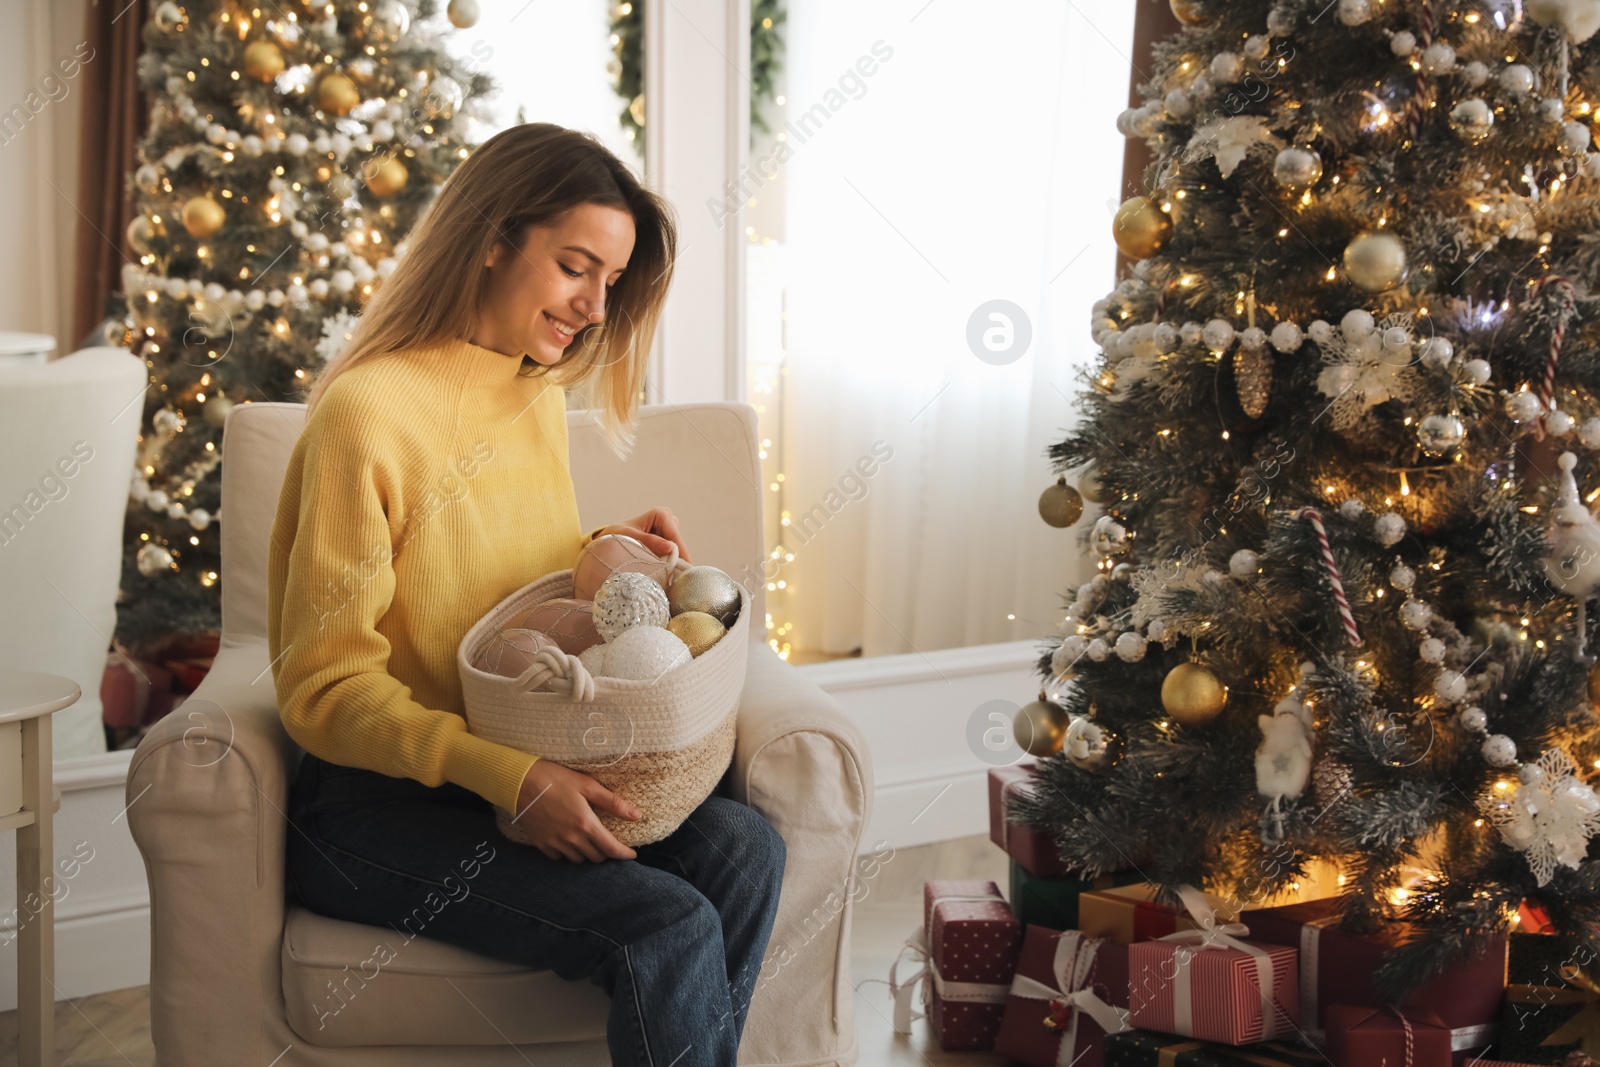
point(700, 460)
point(68, 436)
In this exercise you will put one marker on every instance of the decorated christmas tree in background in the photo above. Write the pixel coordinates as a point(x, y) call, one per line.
point(1343, 432)
point(291, 147)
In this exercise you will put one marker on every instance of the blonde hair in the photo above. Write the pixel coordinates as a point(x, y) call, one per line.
point(528, 175)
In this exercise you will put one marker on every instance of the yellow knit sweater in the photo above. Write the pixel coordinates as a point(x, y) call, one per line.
point(427, 486)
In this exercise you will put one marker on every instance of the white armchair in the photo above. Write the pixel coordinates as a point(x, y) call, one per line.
point(237, 972)
point(68, 434)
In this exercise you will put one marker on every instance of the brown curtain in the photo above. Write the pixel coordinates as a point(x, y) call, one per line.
point(1153, 21)
point(114, 115)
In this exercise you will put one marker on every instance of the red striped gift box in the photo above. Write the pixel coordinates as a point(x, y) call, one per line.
point(1208, 984)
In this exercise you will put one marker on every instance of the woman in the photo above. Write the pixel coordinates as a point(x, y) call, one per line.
point(429, 483)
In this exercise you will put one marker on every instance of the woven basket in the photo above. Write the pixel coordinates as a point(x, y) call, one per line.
point(662, 744)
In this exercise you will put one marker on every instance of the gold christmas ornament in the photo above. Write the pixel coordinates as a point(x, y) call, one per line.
point(705, 589)
point(1040, 727)
point(203, 216)
point(1061, 505)
point(384, 177)
point(141, 232)
point(263, 60)
point(216, 412)
point(697, 630)
point(1375, 260)
point(1193, 695)
point(1089, 485)
point(636, 109)
point(1140, 227)
point(1252, 377)
point(337, 94)
point(1193, 12)
point(463, 13)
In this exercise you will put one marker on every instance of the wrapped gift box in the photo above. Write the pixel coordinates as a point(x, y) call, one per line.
point(1034, 849)
point(972, 947)
point(1068, 993)
point(1360, 1037)
point(1139, 1048)
point(1336, 967)
point(1212, 986)
point(1053, 902)
point(1551, 1009)
point(1129, 913)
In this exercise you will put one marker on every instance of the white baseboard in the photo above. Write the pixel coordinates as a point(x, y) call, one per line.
point(914, 709)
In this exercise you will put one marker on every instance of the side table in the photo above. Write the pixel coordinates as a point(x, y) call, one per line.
point(27, 700)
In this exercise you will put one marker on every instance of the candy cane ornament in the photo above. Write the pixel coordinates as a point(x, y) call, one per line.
point(1334, 580)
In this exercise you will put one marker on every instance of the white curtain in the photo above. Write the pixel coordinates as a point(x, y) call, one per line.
point(980, 162)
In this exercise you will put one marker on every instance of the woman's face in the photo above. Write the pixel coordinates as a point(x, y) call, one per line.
point(537, 297)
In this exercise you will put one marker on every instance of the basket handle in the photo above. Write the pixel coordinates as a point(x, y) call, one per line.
point(564, 673)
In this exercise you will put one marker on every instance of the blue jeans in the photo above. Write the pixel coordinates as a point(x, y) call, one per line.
point(675, 937)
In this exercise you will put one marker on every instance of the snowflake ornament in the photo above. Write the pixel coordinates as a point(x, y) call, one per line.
point(1365, 368)
point(1550, 817)
point(336, 333)
point(1229, 140)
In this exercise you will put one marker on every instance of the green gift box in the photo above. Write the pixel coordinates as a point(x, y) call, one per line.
point(1053, 902)
point(1143, 1048)
point(1552, 1008)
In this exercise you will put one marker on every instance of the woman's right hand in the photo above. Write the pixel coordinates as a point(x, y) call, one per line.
point(557, 816)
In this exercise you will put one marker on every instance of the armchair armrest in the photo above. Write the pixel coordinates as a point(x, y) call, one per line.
point(802, 763)
point(207, 795)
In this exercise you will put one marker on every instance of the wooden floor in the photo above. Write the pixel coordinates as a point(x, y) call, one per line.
point(113, 1029)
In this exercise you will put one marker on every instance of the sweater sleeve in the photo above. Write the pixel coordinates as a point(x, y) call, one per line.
point(332, 580)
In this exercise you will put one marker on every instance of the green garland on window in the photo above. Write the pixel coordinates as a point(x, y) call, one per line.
point(627, 69)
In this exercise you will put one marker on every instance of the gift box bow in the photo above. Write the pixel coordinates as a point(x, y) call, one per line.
point(1215, 935)
point(1583, 1027)
point(1071, 996)
point(927, 975)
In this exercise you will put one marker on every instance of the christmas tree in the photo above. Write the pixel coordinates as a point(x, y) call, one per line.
point(291, 147)
point(1343, 551)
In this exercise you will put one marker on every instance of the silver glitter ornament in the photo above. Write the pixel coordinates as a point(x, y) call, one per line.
point(629, 599)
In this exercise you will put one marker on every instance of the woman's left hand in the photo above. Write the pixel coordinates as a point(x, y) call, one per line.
point(656, 529)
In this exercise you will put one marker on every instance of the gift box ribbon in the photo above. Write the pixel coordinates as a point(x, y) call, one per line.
point(1212, 935)
point(1072, 968)
point(928, 976)
point(1584, 1027)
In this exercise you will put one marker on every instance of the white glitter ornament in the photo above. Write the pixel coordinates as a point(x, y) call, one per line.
point(1499, 750)
point(1402, 577)
point(1286, 337)
point(1352, 509)
point(1558, 423)
point(1589, 433)
point(1131, 647)
point(1098, 650)
point(1320, 331)
point(645, 653)
point(1478, 371)
point(1517, 78)
point(1073, 648)
point(1438, 58)
point(1436, 352)
point(628, 599)
point(1415, 615)
point(1474, 720)
point(593, 659)
point(1431, 650)
point(1550, 819)
point(1218, 335)
point(1389, 528)
point(1403, 43)
point(1522, 407)
point(1354, 12)
point(1244, 563)
point(1450, 686)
